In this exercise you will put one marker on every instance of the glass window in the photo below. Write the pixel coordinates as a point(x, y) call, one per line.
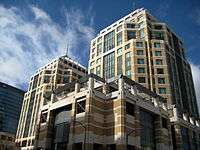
point(131, 35)
point(119, 51)
point(46, 79)
point(160, 71)
point(141, 70)
point(128, 64)
point(127, 46)
point(147, 139)
point(162, 90)
point(99, 39)
point(159, 62)
point(80, 107)
point(164, 122)
point(119, 38)
point(141, 79)
point(141, 24)
point(139, 44)
point(130, 109)
point(109, 65)
point(140, 52)
point(119, 28)
point(98, 70)
point(142, 33)
point(140, 61)
point(109, 41)
point(130, 25)
point(158, 53)
point(158, 35)
point(99, 48)
point(92, 70)
point(161, 80)
point(119, 65)
point(98, 60)
point(185, 138)
point(92, 63)
point(128, 73)
point(157, 45)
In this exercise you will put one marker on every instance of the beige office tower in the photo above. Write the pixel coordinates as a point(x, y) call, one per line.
point(150, 53)
point(53, 75)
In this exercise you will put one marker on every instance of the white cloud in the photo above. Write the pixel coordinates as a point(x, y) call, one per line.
point(196, 78)
point(28, 43)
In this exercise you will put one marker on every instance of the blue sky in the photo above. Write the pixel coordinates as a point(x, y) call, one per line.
point(33, 32)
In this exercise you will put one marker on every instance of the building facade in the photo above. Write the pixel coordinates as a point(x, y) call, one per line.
point(104, 115)
point(57, 73)
point(150, 53)
point(11, 99)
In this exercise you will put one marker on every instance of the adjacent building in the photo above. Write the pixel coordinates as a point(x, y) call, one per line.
point(11, 99)
point(150, 53)
point(56, 73)
point(97, 114)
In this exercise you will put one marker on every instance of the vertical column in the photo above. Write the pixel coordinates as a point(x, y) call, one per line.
point(120, 129)
point(88, 117)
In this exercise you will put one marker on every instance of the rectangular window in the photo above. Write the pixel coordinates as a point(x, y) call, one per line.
point(98, 70)
point(141, 70)
point(119, 51)
point(158, 35)
point(119, 38)
point(159, 62)
point(139, 44)
point(164, 122)
point(80, 107)
point(160, 71)
point(92, 63)
point(140, 52)
point(130, 25)
point(141, 24)
point(140, 61)
point(99, 49)
point(142, 33)
point(131, 35)
point(119, 28)
point(147, 136)
point(130, 109)
point(109, 65)
point(161, 80)
point(127, 46)
point(46, 79)
point(158, 53)
point(157, 45)
point(128, 64)
point(119, 65)
point(162, 90)
point(141, 80)
point(109, 41)
point(98, 60)
point(92, 70)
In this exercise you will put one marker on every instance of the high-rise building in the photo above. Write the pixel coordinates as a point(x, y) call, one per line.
point(10, 106)
point(56, 73)
point(150, 53)
point(97, 114)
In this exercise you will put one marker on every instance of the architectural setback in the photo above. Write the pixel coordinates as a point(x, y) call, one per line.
point(56, 73)
point(150, 53)
point(99, 114)
point(139, 94)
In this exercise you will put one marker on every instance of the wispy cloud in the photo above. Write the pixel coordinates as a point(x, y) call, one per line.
point(163, 8)
point(196, 78)
point(29, 41)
